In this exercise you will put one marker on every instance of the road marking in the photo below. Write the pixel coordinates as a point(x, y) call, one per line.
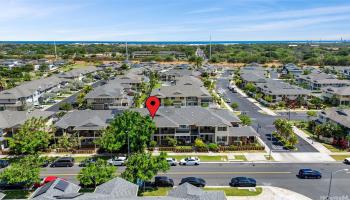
point(185, 173)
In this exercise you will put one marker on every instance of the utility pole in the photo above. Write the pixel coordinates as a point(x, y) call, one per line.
point(210, 47)
point(126, 51)
point(54, 42)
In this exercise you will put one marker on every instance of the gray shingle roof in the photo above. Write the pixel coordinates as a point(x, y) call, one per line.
point(188, 86)
point(10, 119)
point(118, 188)
point(246, 131)
point(173, 117)
point(190, 192)
point(52, 191)
point(77, 72)
point(343, 91)
point(340, 116)
point(110, 90)
point(275, 87)
point(27, 89)
point(86, 119)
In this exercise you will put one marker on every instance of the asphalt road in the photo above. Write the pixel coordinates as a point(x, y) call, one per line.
point(269, 174)
point(263, 123)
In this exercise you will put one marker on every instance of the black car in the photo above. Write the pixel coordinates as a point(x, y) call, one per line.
point(87, 161)
point(163, 181)
point(45, 163)
point(198, 182)
point(4, 163)
point(243, 182)
point(63, 162)
point(309, 173)
point(13, 186)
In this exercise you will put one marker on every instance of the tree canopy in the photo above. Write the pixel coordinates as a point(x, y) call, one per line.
point(245, 119)
point(130, 125)
point(33, 136)
point(144, 166)
point(96, 173)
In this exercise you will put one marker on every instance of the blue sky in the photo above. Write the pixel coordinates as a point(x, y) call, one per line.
point(174, 20)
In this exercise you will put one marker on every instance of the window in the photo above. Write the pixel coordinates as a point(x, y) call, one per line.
point(183, 126)
point(221, 138)
point(223, 128)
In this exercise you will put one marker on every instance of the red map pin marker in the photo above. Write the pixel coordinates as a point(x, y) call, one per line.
point(152, 104)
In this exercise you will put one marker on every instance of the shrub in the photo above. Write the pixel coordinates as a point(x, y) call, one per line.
point(152, 143)
point(234, 105)
point(171, 141)
point(213, 147)
point(200, 145)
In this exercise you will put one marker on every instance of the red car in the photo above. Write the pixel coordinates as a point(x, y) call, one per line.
point(45, 180)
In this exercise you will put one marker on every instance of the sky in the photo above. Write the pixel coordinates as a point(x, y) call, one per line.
point(174, 20)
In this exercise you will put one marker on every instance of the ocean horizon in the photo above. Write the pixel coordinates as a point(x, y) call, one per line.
point(178, 42)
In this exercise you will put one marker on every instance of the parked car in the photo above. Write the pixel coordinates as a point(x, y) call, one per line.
point(13, 186)
point(117, 161)
point(45, 163)
point(172, 161)
point(4, 163)
point(87, 161)
point(45, 180)
point(147, 186)
point(309, 173)
point(190, 161)
point(347, 161)
point(163, 181)
point(63, 162)
point(198, 182)
point(243, 182)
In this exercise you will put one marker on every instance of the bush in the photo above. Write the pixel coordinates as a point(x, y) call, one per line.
point(171, 141)
point(213, 147)
point(152, 143)
point(234, 105)
point(200, 145)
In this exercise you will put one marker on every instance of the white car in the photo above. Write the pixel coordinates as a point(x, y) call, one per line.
point(117, 161)
point(347, 161)
point(171, 161)
point(190, 161)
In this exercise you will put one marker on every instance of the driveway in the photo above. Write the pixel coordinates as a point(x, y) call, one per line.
point(261, 122)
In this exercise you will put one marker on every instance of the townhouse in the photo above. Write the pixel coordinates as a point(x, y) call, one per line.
point(282, 91)
point(171, 75)
point(187, 91)
point(318, 80)
point(340, 116)
point(253, 74)
point(212, 125)
point(10, 121)
point(79, 73)
point(184, 124)
point(28, 94)
point(108, 96)
point(292, 69)
point(336, 95)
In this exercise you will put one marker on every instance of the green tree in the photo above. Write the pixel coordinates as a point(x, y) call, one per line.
point(128, 126)
point(26, 170)
point(144, 166)
point(27, 77)
point(168, 102)
point(67, 142)
point(311, 113)
point(96, 173)
point(171, 141)
point(44, 67)
point(245, 119)
point(87, 89)
point(33, 136)
point(329, 129)
point(234, 105)
point(250, 87)
point(81, 99)
point(125, 66)
point(200, 145)
point(66, 106)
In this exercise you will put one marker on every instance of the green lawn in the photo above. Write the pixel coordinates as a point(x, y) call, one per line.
point(333, 148)
point(159, 192)
point(16, 194)
point(203, 158)
point(340, 157)
point(229, 191)
point(240, 157)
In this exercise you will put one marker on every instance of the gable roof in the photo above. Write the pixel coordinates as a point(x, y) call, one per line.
point(11, 119)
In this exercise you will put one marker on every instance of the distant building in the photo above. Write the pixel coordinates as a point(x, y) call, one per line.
point(318, 80)
point(337, 95)
point(291, 68)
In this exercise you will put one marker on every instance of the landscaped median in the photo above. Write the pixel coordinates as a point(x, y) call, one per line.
point(340, 157)
point(229, 191)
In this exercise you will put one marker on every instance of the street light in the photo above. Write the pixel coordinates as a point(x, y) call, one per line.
point(330, 181)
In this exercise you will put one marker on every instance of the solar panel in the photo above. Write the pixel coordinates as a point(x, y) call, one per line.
point(68, 196)
point(43, 189)
point(61, 185)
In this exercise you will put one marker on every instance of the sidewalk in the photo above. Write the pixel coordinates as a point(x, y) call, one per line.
point(273, 193)
point(320, 148)
point(255, 102)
